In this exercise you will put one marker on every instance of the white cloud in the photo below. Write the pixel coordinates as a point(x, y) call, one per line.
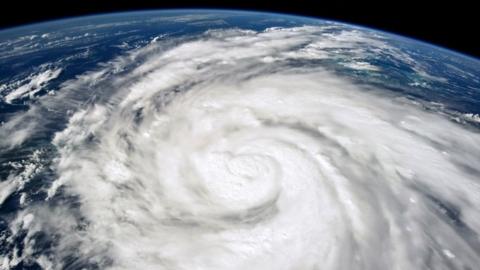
point(216, 153)
point(361, 65)
point(36, 83)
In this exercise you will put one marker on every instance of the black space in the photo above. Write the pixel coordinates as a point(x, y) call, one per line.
point(450, 24)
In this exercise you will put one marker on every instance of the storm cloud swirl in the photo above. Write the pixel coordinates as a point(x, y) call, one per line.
point(238, 150)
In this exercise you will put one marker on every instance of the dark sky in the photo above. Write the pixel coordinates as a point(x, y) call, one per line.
point(451, 24)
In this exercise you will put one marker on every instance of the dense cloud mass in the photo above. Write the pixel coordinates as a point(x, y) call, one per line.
point(238, 150)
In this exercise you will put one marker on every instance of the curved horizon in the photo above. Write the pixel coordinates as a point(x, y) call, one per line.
point(239, 10)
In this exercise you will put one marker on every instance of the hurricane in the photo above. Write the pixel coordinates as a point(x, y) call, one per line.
point(241, 149)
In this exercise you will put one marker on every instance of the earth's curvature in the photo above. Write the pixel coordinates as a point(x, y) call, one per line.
point(201, 139)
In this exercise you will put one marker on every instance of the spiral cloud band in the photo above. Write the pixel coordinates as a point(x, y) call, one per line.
point(239, 150)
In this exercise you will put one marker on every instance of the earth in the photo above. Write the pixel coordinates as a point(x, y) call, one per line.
point(213, 139)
